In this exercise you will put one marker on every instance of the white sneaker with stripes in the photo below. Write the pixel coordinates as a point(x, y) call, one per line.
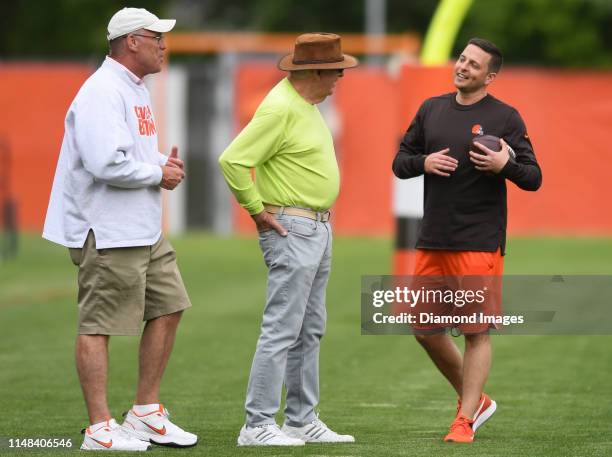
point(266, 435)
point(109, 436)
point(155, 427)
point(316, 432)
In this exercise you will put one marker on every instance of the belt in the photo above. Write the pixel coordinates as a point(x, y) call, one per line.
point(303, 212)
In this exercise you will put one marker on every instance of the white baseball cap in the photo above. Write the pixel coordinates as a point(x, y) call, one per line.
point(129, 20)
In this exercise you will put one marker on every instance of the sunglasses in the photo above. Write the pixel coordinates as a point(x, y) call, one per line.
point(158, 38)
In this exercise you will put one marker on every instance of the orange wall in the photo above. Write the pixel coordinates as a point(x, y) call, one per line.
point(34, 100)
point(368, 108)
point(568, 115)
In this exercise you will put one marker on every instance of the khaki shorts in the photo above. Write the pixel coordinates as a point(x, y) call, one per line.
point(119, 288)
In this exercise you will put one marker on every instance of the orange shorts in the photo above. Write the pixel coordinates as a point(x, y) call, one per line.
point(470, 283)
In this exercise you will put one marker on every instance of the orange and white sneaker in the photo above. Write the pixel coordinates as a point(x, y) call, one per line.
point(486, 408)
point(461, 430)
point(155, 427)
point(109, 436)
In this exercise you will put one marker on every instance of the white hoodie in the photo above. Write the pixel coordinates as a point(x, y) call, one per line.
point(108, 172)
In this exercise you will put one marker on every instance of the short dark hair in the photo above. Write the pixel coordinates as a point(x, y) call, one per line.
point(115, 46)
point(497, 59)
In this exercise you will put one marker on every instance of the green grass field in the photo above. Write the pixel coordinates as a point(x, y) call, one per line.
point(553, 393)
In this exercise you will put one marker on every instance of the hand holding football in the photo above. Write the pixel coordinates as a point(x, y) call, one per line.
point(490, 141)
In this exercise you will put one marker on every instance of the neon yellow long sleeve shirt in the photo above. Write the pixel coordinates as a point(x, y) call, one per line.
point(291, 149)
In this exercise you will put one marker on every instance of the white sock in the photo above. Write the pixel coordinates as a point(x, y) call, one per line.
point(249, 427)
point(145, 409)
point(99, 424)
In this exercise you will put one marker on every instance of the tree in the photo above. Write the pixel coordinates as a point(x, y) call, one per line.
point(60, 28)
point(572, 33)
point(566, 33)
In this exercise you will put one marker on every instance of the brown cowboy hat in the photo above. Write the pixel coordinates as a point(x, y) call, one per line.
point(317, 51)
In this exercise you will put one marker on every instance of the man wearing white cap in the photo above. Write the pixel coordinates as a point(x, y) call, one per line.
point(105, 206)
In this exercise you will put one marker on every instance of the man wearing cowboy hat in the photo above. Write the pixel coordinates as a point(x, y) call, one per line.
point(291, 148)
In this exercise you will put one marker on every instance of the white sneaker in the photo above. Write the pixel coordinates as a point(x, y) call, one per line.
point(316, 432)
point(266, 435)
point(155, 427)
point(111, 437)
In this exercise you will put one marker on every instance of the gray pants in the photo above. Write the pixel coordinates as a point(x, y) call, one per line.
point(293, 322)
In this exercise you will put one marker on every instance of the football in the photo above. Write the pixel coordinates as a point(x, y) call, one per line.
point(492, 142)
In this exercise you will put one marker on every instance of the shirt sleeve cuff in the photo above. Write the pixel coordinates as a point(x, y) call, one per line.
point(156, 175)
point(255, 208)
point(510, 169)
point(419, 164)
